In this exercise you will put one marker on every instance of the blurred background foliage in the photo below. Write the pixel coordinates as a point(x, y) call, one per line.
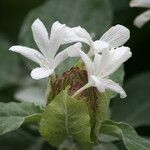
point(16, 17)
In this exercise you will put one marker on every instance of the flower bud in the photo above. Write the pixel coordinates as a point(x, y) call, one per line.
point(75, 78)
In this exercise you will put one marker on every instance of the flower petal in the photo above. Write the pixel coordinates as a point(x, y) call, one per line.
point(40, 35)
point(105, 61)
point(100, 45)
point(103, 84)
point(71, 51)
point(83, 35)
point(142, 19)
point(61, 34)
point(68, 35)
point(96, 83)
point(39, 73)
point(117, 58)
point(116, 36)
point(96, 63)
point(140, 3)
point(74, 50)
point(30, 53)
point(115, 87)
point(88, 63)
point(55, 37)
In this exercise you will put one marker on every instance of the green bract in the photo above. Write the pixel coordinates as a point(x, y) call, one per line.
point(66, 118)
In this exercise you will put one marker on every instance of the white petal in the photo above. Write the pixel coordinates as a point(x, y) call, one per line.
point(55, 37)
point(71, 51)
point(88, 63)
point(140, 3)
point(121, 54)
point(39, 73)
point(96, 63)
point(31, 94)
point(117, 58)
point(100, 45)
point(115, 87)
point(96, 83)
point(40, 35)
point(61, 34)
point(116, 36)
point(103, 84)
point(142, 19)
point(30, 53)
point(83, 35)
point(105, 61)
point(74, 50)
point(68, 35)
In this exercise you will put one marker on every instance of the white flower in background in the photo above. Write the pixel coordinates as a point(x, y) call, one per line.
point(48, 59)
point(144, 17)
point(31, 94)
point(102, 67)
point(115, 37)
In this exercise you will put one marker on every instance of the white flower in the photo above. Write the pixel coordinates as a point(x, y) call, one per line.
point(102, 67)
point(31, 94)
point(115, 37)
point(48, 59)
point(144, 17)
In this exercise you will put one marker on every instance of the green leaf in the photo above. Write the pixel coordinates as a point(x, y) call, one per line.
point(136, 106)
point(13, 115)
point(66, 118)
point(9, 65)
point(18, 139)
point(127, 133)
point(95, 16)
point(18, 11)
point(105, 146)
point(24, 140)
point(120, 6)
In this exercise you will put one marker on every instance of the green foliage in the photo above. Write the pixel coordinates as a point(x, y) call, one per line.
point(24, 140)
point(128, 135)
point(105, 146)
point(134, 110)
point(66, 118)
point(9, 65)
point(17, 139)
point(13, 115)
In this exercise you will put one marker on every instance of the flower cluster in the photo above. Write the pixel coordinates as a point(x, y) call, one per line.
point(144, 17)
point(105, 56)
